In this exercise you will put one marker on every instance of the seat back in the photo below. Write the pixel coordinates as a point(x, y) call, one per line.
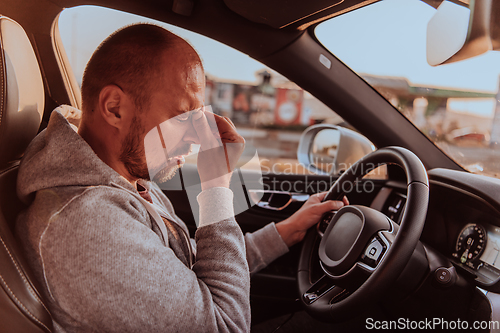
point(21, 109)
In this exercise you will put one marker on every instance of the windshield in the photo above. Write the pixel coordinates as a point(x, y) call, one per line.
point(456, 105)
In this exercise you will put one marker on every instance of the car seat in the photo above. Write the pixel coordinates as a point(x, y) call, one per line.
point(21, 109)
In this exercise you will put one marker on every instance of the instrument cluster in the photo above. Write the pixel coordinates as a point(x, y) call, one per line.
point(478, 248)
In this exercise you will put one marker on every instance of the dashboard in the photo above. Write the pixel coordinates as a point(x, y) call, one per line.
point(459, 247)
point(478, 248)
point(463, 221)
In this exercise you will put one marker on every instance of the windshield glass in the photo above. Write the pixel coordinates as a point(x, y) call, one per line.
point(456, 105)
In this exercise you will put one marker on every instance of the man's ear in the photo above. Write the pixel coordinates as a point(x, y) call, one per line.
point(114, 105)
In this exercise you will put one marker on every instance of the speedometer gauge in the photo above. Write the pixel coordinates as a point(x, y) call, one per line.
point(470, 243)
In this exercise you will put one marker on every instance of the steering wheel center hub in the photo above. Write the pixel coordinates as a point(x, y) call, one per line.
point(343, 237)
point(346, 238)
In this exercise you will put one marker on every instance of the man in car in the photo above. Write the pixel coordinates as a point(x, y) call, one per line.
point(104, 242)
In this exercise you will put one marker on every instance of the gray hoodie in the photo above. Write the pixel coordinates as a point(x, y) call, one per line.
point(102, 260)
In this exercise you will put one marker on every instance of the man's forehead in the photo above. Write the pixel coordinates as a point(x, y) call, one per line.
point(181, 53)
point(179, 74)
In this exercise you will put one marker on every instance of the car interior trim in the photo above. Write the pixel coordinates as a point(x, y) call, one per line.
point(68, 77)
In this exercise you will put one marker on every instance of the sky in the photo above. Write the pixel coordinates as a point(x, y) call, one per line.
point(391, 41)
point(387, 38)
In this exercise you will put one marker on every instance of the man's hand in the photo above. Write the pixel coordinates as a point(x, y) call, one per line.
point(220, 148)
point(294, 228)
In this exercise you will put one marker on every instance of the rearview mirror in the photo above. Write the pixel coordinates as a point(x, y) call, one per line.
point(456, 32)
point(329, 150)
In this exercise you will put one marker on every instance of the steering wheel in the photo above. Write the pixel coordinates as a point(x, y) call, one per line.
point(362, 251)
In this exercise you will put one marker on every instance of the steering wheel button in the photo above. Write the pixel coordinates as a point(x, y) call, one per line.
point(374, 250)
point(443, 275)
point(310, 297)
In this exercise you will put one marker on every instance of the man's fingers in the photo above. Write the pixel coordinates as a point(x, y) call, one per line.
point(210, 126)
point(321, 195)
point(212, 121)
point(230, 122)
point(328, 206)
point(227, 130)
point(332, 205)
point(221, 145)
point(202, 124)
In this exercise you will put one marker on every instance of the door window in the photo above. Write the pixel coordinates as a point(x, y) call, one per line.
point(269, 110)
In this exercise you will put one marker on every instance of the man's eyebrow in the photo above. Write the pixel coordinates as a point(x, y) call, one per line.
point(194, 109)
point(179, 112)
point(184, 115)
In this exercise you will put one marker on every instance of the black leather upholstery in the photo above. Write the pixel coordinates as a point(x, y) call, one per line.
point(21, 109)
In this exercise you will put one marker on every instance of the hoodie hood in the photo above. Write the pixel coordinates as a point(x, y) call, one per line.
point(59, 156)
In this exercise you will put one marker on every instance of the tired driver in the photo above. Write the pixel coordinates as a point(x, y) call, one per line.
point(103, 240)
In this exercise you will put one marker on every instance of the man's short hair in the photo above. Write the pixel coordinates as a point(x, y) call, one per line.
point(130, 58)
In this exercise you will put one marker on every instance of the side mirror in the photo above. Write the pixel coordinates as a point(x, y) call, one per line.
point(329, 150)
point(456, 32)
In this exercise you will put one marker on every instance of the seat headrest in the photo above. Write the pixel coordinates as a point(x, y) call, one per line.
point(21, 91)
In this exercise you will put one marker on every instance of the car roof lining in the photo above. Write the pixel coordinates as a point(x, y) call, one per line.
point(256, 40)
point(296, 14)
point(266, 26)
